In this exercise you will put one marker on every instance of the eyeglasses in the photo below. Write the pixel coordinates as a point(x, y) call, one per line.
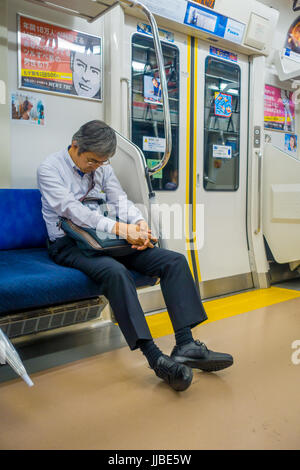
point(90, 161)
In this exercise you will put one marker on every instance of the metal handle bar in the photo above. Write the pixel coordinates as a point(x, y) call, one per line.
point(128, 83)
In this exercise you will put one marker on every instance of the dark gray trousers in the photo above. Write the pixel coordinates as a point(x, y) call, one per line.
point(117, 284)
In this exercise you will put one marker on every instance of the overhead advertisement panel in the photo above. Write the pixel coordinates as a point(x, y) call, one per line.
point(196, 16)
point(214, 23)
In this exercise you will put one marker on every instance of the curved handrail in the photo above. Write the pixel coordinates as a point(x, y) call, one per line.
point(163, 81)
point(142, 156)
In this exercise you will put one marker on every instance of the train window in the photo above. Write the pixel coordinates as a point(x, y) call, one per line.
point(147, 112)
point(221, 125)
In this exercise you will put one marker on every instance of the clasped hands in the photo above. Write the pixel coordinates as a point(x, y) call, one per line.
point(138, 235)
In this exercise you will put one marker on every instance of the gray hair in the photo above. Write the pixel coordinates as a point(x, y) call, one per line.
point(97, 137)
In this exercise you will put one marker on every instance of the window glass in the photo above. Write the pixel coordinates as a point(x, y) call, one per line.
point(147, 111)
point(221, 125)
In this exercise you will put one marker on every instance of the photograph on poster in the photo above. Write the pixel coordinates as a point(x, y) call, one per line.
point(58, 60)
point(201, 19)
point(152, 90)
point(290, 143)
point(27, 108)
point(279, 111)
point(293, 37)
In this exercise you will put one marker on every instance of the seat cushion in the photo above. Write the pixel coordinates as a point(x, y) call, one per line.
point(30, 279)
point(22, 223)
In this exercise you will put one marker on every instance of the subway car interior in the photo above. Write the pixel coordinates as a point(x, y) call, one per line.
point(201, 99)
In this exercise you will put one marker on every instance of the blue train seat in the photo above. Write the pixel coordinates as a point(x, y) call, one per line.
point(29, 278)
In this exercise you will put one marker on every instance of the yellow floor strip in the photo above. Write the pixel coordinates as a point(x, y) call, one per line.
point(160, 324)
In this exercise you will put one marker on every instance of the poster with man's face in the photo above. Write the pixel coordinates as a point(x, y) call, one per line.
point(59, 60)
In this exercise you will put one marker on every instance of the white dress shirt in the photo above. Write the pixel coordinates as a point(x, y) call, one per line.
point(62, 186)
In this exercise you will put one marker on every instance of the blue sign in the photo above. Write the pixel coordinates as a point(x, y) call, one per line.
point(214, 23)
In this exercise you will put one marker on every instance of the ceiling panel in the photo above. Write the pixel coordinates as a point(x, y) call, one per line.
point(88, 9)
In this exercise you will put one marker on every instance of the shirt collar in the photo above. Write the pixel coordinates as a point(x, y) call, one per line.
point(69, 160)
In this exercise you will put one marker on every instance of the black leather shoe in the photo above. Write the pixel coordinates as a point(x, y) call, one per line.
point(178, 376)
point(196, 354)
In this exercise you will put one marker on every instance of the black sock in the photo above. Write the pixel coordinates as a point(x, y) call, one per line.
point(150, 350)
point(183, 336)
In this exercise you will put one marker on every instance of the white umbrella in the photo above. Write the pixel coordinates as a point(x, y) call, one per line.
point(9, 354)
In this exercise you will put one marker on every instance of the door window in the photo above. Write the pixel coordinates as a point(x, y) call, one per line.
point(147, 111)
point(221, 125)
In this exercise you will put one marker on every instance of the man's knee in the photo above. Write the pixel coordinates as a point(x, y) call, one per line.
point(175, 257)
point(114, 273)
point(172, 260)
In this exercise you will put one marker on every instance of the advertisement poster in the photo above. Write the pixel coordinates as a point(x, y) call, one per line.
point(290, 143)
point(292, 43)
point(59, 60)
point(28, 108)
point(152, 90)
point(211, 22)
point(223, 54)
point(223, 104)
point(279, 109)
point(206, 3)
point(163, 33)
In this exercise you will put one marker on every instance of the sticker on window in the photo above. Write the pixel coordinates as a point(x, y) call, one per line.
point(222, 151)
point(152, 163)
point(154, 144)
point(223, 104)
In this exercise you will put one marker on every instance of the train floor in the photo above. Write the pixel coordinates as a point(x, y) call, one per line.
point(92, 392)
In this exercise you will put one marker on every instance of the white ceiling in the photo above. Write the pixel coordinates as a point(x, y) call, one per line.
point(89, 9)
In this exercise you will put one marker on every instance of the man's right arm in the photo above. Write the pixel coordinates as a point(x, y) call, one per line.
point(64, 204)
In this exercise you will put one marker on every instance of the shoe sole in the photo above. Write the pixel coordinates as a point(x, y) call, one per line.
point(206, 366)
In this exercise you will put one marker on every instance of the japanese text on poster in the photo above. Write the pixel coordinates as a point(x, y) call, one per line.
point(279, 109)
point(56, 59)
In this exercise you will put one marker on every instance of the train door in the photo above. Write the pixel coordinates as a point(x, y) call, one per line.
point(204, 182)
point(147, 125)
point(220, 93)
point(135, 108)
